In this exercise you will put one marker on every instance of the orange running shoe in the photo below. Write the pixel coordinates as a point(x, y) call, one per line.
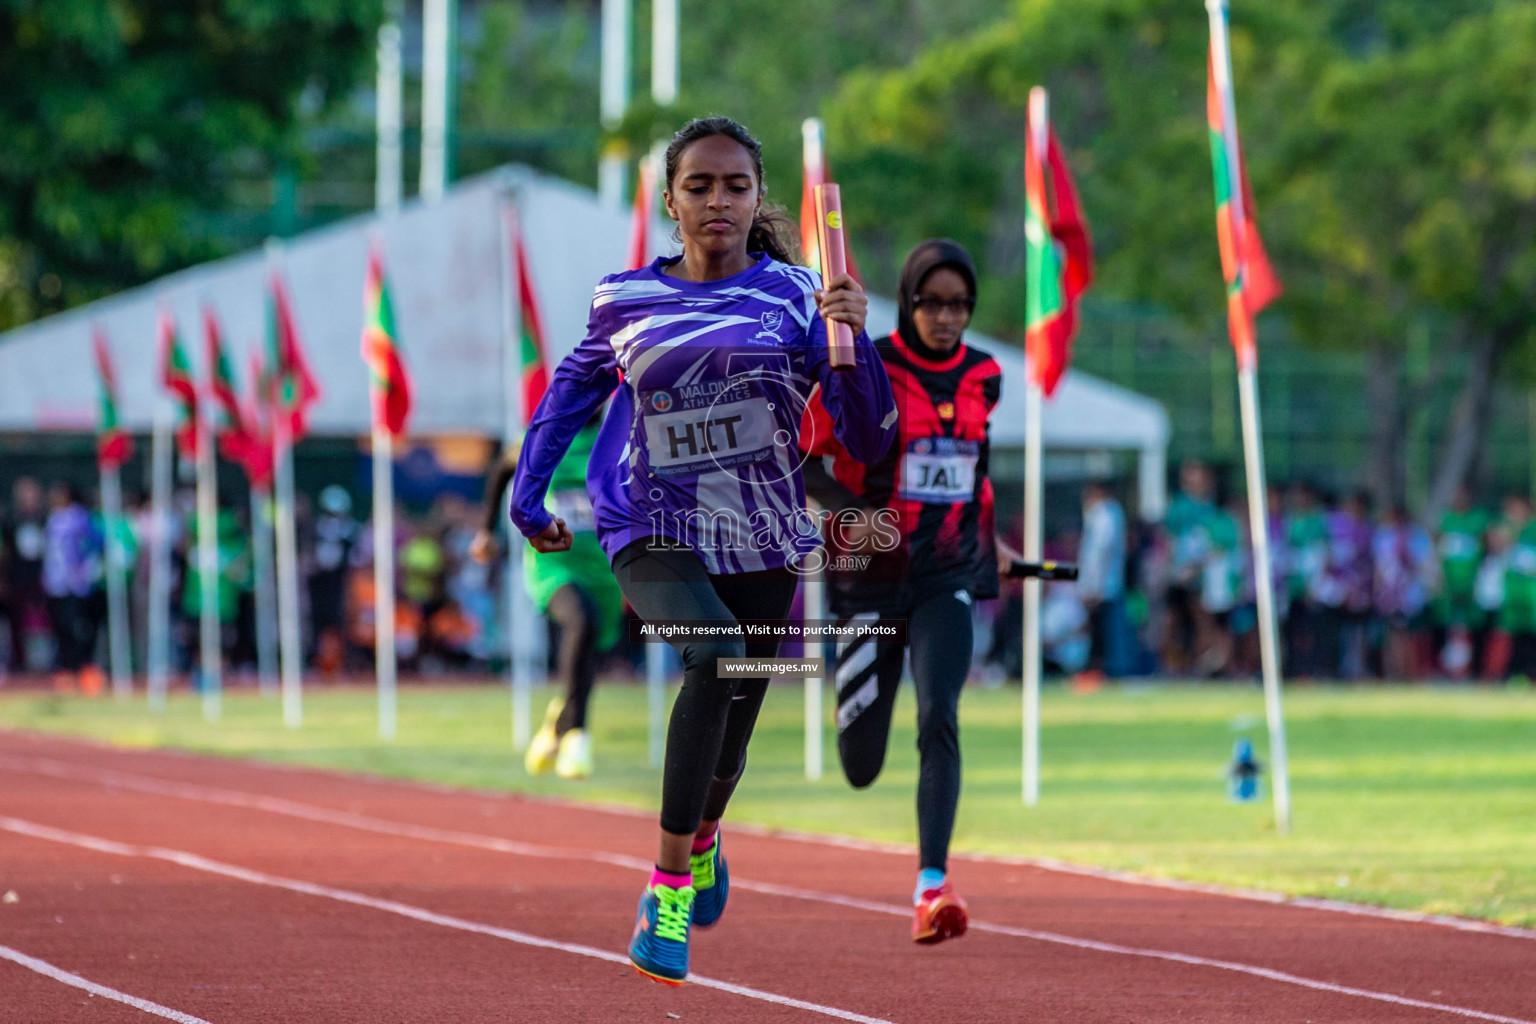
point(940, 915)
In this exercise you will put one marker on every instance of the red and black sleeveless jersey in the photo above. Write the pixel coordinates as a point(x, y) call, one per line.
point(938, 531)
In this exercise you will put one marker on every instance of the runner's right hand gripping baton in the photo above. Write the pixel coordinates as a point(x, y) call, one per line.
point(1018, 570)
point(834, 263)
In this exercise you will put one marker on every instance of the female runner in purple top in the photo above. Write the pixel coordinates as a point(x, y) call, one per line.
point(695, 476)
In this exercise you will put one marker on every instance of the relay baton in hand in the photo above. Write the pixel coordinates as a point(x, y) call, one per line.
point(834, 263)
point(1018, 570)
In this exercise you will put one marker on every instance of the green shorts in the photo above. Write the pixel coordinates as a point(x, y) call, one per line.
point(584, 566)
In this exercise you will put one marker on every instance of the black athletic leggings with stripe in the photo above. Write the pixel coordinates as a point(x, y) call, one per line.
point(712, 718)
point(868, 677)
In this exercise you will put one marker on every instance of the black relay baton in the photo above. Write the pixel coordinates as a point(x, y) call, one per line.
point(1018, 570)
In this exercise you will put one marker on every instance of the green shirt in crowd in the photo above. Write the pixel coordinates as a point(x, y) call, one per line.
point(1460, 548)
point(1519, 612)
point(1306, 535)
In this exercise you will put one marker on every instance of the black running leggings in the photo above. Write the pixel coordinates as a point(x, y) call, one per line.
point(573, 611)
point(868, 677)
point(712, 718)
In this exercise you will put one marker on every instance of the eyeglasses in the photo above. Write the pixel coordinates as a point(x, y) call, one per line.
point(935, 307)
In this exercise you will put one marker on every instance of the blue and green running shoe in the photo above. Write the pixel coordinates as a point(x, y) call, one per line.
point(659, 948)
point(712, 882)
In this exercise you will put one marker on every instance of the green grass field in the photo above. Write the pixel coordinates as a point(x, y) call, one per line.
point(1410, 797)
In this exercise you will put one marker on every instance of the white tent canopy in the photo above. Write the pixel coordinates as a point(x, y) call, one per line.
point(445, 268)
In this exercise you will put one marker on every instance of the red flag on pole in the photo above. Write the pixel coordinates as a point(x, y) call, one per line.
point(532, 360)
point(1059, 260)
point(258, 462)
point(231, 430)
point(294, 388)
point(640, 222)
point(1251, 281)
point(113, 445)
point(176, 376)
point(390, 384)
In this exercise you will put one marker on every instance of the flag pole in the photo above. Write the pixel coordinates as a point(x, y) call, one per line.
point(384, 576)
point(290, 640)
point(664, 62)
point(519, 612)
point(117, 591)
point(1253, 442)
point(438, 31)
point(815, 611)
point(613, 99)
point(387, 176)
point(210, 669)
point(651, 168)
point(266, 596)
point(1034, 400)
point(157, 631)
point(290, 650)
point(1034, 491)
point(812, 173)
point(656, 701)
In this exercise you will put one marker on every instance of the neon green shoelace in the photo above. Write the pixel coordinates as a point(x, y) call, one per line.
point(703, 866)
point(674, 907)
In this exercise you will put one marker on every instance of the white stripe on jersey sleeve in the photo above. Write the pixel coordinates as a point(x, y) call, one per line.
point(616, 291)
point(626, 340)
point(773, 300)
point(809, 281)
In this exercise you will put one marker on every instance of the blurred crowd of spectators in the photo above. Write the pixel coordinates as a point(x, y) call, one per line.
point(1359, 592)
point(53, 572)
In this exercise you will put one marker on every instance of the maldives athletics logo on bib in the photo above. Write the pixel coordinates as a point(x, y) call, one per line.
point(661, 401)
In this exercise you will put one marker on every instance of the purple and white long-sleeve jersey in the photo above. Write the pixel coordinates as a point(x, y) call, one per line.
point(700, 447)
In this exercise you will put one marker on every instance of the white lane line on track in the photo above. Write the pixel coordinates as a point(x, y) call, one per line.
point(60, 769)
point(47, 969)
point(377, 825)
point(199, 863)
point(1278, 899)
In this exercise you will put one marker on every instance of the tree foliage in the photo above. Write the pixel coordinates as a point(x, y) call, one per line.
point(533, 75)
point(1390, 146)
point(127, 122)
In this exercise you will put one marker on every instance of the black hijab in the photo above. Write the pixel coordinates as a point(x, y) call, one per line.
point(922, 261)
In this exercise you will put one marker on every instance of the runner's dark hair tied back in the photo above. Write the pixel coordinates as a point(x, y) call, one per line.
point(772, 231)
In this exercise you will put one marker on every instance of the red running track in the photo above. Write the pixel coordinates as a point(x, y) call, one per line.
point(203, 889)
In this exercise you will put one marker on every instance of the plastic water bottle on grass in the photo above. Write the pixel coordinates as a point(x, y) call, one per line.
point(1243, 773)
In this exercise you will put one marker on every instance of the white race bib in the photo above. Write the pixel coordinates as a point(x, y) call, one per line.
point(1523, 559)
point(30, 541)
point(575, 507)
point(701, 428)
point(939, 470)
point(1456, 546)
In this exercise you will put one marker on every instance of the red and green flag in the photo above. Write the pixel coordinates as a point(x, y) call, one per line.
point(1251, 281)
point(230, 427)
point(531, 348)
point(258, 460)
point(390, 384)
point(113, 445)
point(1059, 259)
point(640, 218)
point(176, 376)
point(294, 388)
